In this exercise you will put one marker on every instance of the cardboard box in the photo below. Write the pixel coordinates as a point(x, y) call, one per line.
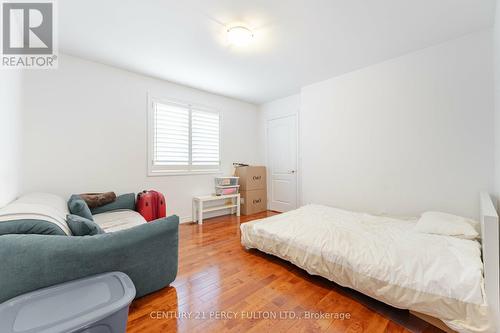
point(254, 201)
point(251, 178)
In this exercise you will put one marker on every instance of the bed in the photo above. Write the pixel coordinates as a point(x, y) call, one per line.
point(383, 257)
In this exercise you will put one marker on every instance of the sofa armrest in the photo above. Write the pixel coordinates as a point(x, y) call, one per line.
point(148, 254)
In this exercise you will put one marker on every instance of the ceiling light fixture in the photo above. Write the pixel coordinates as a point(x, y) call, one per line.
point(239, 35)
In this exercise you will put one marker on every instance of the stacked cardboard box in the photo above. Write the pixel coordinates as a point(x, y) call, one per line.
point(253, 189)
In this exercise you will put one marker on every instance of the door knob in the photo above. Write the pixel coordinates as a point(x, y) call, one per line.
point(292, 171)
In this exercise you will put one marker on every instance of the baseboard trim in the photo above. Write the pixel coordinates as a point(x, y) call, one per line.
point(186, 219)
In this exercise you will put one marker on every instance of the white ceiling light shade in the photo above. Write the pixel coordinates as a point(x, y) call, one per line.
point(239, 35)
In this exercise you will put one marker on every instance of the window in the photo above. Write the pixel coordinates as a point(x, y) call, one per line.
point(183, 139)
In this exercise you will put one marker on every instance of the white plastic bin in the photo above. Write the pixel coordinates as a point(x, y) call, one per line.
point(226, 181)
point(98, 304)
point(226, 190)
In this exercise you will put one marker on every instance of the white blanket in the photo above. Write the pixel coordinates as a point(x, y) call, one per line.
point(382, 257)
point(38, 206)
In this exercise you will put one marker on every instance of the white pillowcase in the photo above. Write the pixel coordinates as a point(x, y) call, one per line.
point(438, 223)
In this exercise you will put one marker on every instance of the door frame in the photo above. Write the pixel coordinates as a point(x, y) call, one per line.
point(298, 174)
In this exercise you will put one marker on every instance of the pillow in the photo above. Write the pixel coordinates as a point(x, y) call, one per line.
point(95, 200)
point(124, 201)
point(81, 226)
point(30, 226)
point(447, 225)
point(78, 206)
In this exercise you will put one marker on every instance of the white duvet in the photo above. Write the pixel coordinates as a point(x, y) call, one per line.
point(382, 257)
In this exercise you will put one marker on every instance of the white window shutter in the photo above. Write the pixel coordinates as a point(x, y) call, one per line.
point(205, 135)
point(185, 139)
point(171, 135)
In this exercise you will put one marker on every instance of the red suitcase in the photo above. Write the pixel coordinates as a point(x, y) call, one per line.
point(151, 205)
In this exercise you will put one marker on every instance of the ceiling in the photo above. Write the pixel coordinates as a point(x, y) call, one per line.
point(297, 42)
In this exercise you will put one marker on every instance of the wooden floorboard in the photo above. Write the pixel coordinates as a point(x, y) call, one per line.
point(221, 287)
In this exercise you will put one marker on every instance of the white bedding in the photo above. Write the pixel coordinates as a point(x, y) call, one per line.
point(38, 206)
point(119, 220)
point(382, 257)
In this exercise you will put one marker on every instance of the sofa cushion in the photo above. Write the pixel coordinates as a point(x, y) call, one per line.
point(30, 226)
point(81, 226)
point(119, 220)
point(78, 206)
point(124, 201)
point(36, 207)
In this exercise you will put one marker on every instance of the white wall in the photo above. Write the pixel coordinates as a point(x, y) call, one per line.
point(411, 134)
point(85, 130)
point(497, 99)
point(10, 135)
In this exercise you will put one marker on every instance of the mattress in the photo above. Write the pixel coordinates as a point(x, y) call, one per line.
point(117, 220)
point(382, 257)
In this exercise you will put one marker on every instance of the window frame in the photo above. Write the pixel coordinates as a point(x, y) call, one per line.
point(173, 170)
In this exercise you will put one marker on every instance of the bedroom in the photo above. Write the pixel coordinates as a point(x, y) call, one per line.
point(373, 117)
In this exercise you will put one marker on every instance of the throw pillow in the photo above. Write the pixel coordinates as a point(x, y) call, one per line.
point(78, 206)
point(81, 226)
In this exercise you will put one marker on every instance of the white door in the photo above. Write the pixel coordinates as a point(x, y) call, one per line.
point(282, 162)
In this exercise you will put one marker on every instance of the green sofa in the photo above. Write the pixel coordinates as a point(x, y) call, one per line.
point(147, 253)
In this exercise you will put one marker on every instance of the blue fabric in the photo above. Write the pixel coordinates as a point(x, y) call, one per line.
point(124, 201)
point(81, 226)
point(78, 206)
point(29, 226)
point(147, 253)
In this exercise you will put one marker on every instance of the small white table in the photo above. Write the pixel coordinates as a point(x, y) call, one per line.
point(198, 203)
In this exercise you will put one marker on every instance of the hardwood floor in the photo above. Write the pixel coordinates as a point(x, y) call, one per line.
point(221, 287)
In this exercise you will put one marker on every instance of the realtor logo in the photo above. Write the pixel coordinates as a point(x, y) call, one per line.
point(28, 31)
